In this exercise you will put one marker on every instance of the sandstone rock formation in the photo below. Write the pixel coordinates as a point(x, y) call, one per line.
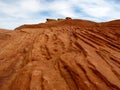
point(61, 55)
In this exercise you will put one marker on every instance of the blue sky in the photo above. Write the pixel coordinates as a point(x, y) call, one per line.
point(14, 13)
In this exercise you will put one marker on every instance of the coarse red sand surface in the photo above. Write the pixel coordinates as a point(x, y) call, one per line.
point(63, 54)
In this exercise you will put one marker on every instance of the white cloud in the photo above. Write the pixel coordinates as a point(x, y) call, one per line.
point(30, 11)
point(12, 10)
point(30, 5)
point(62, 8)
point(98, 8)
point(96, 11)
point(21, 8)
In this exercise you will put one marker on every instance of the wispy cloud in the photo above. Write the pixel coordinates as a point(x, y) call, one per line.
point(17, 12)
